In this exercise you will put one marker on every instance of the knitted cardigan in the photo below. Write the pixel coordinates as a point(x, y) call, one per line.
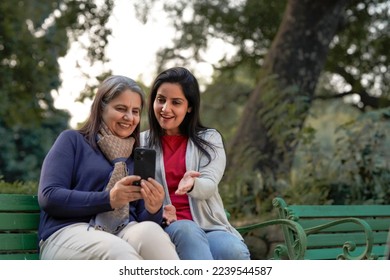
point(205, 201)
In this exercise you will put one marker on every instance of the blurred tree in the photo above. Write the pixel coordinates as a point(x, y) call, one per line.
point(33, 35)
point(276, 110)
point(357, 61)
point(266, 86)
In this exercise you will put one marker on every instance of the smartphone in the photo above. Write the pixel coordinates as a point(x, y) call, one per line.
point(144, 163)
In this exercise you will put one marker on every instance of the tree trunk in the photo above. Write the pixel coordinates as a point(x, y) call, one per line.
point(268, 134)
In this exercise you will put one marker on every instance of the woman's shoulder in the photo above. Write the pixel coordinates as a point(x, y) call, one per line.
point(67, 140)
point(70, 133)
point(70, 136)
point(212, 136)
point(209, 133)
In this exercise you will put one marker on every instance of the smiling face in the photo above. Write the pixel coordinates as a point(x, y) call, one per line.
point(170, 107)
point(123, 113)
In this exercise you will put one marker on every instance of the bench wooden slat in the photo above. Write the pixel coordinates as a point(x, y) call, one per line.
point(323, 240)
point(338, 239)
point(18, 241)
point(18, 202)
point(381, 237)
point(332, 253)
point(18, 221)
point(339, 211)
point(380, 224)
point(327, 253)
point(379, 251)
point(18, 256)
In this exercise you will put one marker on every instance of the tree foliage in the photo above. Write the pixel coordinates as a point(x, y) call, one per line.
point(33, 36)
point(358, 62)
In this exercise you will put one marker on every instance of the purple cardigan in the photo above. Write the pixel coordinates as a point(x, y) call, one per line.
point(72, 183)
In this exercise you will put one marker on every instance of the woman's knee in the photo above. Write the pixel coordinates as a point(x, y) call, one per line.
point(187, 233)
point(116, 249)
point(146, 231)
point(227, 246)
point(184, 227)
point(151, 241)
point(154, 231)
point(235, 251)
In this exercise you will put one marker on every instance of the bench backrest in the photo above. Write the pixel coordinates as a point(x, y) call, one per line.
point(19, 220)
point(328, 227)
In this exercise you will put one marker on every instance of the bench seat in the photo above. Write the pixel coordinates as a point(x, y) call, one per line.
point(318, 232)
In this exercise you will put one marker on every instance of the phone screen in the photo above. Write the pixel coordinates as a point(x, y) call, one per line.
point(144, 163)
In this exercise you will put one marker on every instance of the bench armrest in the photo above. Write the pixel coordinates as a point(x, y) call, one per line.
point(295, 249)
point(286, 213)
point(349, 246)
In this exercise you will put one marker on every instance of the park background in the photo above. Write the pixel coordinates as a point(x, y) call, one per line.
point(298, 89)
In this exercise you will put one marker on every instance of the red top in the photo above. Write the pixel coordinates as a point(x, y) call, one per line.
point(174, 151)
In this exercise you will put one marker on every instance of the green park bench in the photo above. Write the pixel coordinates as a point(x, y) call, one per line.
point(310, 231)
point(326, 232)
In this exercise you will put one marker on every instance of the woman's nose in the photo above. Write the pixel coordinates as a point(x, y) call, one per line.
point(165, 107)
point(128, 115)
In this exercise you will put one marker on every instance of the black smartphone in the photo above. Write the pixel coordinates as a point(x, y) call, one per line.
point(144, 163)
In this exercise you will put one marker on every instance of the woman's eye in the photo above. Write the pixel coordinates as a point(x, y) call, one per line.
point(160, 100)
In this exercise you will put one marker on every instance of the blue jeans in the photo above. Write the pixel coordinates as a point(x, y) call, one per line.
point(193, 243)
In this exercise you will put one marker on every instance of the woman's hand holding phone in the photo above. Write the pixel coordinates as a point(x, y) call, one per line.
point(153, 194)
point(124, 191)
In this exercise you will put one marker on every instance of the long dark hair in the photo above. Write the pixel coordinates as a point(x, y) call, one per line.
point(191, 125)
point(110, 88)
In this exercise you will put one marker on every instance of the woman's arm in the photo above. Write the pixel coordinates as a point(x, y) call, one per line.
point(211, 174)
point(64, 189)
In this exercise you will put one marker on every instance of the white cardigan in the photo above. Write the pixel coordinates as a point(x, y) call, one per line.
point(205, 202)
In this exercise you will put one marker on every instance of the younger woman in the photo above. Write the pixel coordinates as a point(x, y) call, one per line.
point(190, 164)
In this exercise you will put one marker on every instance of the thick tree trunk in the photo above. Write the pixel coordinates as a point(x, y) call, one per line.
point(272, 120)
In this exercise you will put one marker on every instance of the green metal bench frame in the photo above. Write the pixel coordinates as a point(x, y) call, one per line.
point(351, 232)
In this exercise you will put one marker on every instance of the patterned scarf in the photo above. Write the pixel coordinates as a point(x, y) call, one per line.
point(117, 151)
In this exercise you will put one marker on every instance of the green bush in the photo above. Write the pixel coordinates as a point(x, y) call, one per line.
point(18, 187)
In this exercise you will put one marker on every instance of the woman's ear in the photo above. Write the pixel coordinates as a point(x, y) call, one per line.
point(189, 110)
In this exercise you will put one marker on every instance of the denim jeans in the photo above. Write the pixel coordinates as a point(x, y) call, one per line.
point(193, 243)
